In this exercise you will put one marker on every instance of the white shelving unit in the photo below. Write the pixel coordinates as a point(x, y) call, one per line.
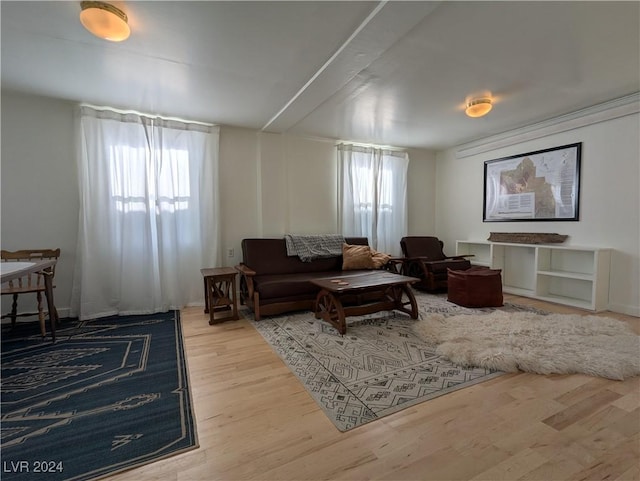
point(571, 275)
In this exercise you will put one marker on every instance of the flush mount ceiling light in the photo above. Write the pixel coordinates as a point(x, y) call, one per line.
point(105, 21)
point(478, 107)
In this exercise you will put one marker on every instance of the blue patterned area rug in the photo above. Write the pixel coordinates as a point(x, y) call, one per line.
point(379, 367)
point(111, 394)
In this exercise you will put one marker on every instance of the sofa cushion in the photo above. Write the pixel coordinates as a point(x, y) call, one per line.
point(356, 257)
point(380, 259)
point(441, 267)
point(284, 285)
point(292, 285)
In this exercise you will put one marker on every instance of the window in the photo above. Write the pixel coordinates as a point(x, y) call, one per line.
point(168, 188)
point(148, 213)
point(373, 192)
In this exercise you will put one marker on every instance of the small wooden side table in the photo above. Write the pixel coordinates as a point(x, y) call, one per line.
point(220, 293)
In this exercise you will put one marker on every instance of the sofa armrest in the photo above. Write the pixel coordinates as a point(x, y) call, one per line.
point(427, 261)
point(416, 259)
point(245, 270)
point(246, 283)
point(394, 265)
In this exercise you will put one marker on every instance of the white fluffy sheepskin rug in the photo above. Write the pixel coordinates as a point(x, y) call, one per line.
point(543, 344)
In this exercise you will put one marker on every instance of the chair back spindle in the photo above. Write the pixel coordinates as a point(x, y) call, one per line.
point(29, 283)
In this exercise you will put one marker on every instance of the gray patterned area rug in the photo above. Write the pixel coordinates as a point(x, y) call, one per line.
point(379, 367)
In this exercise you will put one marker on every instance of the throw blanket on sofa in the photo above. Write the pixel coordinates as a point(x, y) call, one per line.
point(309, 247)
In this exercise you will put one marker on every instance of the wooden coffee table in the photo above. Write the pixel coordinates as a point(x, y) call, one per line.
point(361, 294)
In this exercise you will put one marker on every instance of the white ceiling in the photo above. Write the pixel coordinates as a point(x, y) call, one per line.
point(394, 73)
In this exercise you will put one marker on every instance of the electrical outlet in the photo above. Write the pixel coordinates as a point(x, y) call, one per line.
point(231, 252)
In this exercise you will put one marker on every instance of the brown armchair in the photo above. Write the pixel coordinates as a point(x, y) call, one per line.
point(424, 258)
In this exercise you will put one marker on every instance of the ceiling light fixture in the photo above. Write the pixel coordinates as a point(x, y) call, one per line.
point(105, 21)
point(478, 107)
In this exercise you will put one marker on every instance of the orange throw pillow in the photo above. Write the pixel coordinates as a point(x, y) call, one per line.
point(356, 257)
point(380, 259)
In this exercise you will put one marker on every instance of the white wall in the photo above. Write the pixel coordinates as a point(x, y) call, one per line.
point(239, 201)
point(311, 185)
point(40, 199)
point(422, 187)
point(275, 184)
point(609, 199)
point(270, 185)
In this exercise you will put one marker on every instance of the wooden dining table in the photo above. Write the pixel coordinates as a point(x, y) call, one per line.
point(14, 270)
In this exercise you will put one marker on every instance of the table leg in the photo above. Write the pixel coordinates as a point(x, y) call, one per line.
point(330, 309)
point(206, 295)
point(397, 293)
point(48, 291)
point(233, 297)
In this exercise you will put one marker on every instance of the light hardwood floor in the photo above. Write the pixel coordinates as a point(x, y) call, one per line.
point(255, 421)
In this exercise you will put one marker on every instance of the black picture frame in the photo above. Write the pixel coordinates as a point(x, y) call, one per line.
point(543, 185)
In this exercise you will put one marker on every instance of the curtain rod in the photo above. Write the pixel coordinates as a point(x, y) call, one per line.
point(142, 114)
point(374, 146)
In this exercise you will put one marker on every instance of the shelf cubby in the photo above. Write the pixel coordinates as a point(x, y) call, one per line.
point(481, 253)
point(571, 275)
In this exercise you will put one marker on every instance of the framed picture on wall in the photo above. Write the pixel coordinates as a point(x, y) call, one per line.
point(536, 186)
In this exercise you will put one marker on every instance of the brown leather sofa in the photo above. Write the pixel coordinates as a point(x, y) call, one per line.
point(271, 282)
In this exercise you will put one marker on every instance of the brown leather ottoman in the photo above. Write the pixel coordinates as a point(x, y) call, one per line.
point(475, 287)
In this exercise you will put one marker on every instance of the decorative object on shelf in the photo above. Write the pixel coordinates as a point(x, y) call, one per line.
point(537, 186)
point(527, 237)
point(105, 21)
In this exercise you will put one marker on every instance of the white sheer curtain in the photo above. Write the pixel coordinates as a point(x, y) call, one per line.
point(373, 195)
point(148, 213)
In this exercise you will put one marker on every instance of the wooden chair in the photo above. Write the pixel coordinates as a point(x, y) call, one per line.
point(31, 283)
point(425, 259)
